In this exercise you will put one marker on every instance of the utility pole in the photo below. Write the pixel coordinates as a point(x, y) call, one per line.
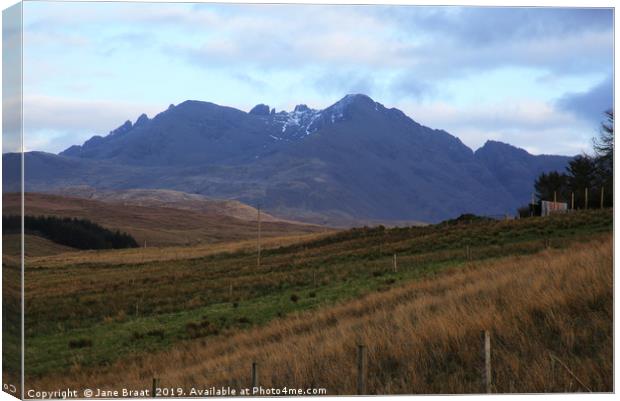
point(258, 239)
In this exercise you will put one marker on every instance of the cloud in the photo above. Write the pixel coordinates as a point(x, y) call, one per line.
point(409, 86)
point(533, 125)
point(54, 123)
point(338, 83)
point(430, 44)
point(483, 26)
point(419, 57)
point(283, 38)
point(573, 54)
point(256, 83)
point(591, 104)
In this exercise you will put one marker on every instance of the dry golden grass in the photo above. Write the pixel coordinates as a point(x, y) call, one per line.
point(423, 337)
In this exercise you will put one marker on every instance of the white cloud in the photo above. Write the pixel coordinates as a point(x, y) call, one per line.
point(534, 126)
point(54, 123)
point(392, 52)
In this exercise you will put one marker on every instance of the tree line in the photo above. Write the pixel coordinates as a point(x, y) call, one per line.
point(586, 176)
point(72, 232)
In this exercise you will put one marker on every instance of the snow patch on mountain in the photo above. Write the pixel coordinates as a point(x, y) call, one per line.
point(304, 121)
point(296, 124)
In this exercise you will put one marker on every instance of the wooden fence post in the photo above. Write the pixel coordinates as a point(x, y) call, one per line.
point(586, 200)
point(230, 292)
point(258, 238)
point(572, 201)
point(394, 264)
point(254, 374)
point(155, 386)
point(468, 252)
point(602, 195)
point(486, 374)
point(314, 278)
point(361, 369)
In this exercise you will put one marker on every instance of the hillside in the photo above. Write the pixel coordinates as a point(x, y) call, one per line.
point(168, 199)
point(516, 168)
point(169, 306)
point(356, 160)
point(157, 225)
point(543, 336)
point(34, 246)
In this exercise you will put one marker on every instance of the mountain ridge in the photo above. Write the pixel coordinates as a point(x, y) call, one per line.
point(355, 159)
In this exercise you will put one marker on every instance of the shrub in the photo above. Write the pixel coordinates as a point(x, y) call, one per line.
point(80, 343)
point(200, 329)
point(135, 336)
point(156, 333)
point(294, 298)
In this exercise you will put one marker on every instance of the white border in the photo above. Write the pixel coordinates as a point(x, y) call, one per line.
point(484, 3)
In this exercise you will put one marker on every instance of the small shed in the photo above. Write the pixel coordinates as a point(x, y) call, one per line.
point(548, 207)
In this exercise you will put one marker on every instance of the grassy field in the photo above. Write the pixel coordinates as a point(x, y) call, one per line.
point(91, 316)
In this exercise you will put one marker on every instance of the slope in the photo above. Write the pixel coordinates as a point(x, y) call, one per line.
point(158, 226)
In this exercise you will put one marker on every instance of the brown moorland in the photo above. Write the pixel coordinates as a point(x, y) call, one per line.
point(34, 246)
point(167, 198)
point(550, 315)
point(157, 225)
point(112, 257)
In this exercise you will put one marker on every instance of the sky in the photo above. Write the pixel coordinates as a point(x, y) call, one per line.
point(537, 78)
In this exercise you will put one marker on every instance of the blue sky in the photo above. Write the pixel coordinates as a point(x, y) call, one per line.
point(538, 78)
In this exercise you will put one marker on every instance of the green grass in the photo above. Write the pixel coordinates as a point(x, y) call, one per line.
point(136, 335)
point(89, 315)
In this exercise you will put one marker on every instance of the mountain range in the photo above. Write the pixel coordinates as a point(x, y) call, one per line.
point(355, 160)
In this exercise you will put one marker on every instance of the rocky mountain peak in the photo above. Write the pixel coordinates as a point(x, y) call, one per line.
point(143, 119)
point(126, 127)
point(260, 110)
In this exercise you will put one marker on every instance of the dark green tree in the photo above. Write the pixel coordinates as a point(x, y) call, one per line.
point(73, 232)
point(552, 183)
point(604, 144)
point(604, 148)
point(583, 172)
point(592, 172)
